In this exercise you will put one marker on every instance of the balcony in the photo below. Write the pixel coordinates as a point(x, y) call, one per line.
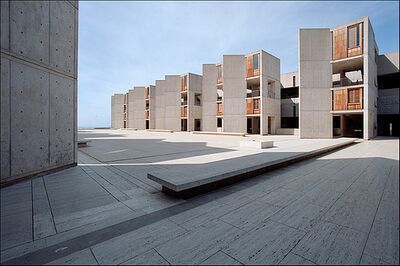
point(183, 111)
point(346, 82)
point(347, 99)
point(253, 106)
point(220, 108)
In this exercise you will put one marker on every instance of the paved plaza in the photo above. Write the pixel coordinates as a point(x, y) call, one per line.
point(338, 208)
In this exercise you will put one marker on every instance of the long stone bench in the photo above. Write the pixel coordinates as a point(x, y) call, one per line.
point(186, 181)
point(160, 130)
point(219, 133)
point(83, 143)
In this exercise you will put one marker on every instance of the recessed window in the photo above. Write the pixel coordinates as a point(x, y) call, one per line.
point(353, 33)
point(197, 99)
point(256, 62)
point(219, 122)
point(294, 81)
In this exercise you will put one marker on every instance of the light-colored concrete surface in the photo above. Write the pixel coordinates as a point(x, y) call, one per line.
point(288, 216)
point(38, 87)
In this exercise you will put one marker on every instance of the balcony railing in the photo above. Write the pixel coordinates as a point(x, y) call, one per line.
point(345, 82)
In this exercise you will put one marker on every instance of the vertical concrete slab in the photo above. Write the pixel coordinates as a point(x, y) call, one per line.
point(194, 87)
point(29, 29)
point(152, 90)
point(159, 104)
point(315, 72)
point(172, 103)
point(61, 97)
point(5, 117)
point(5, 25)
point(136, 110)
point(117, 106)
point(62, 27)
point(234, 73)
point(209, 96)
point(30, 120)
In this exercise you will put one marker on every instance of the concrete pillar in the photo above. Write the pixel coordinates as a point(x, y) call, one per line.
point(209, 90)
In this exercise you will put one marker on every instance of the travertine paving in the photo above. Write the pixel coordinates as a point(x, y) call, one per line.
point(340, 208)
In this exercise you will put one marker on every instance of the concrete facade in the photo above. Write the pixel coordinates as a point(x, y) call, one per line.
point(136, 108)
point(315, 72)
point(195, 99)
point(289, 102)
point(117, 111)
point(38, 87)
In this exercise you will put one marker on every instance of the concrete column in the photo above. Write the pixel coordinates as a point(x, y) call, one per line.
point(136, 107)
point(315, 71)
point(117, 110)
point(194, 87)
point(159, 104)
point(172, 103)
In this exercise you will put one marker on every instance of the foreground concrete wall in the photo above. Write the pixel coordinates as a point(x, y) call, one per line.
point(234, 73)
point(315, 72)
point(38, 87)
point(287, 79)
point(209, 95)
point(117, 111)
point(172, 103)
point(194, 111)
point(388, 63)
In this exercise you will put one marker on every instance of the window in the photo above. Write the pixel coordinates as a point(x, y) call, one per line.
point(147, 105)
point(353, 33)
point(220, 94)
point(294, 81)
point(124, 107)
point(197, 99)
point(255, 61)
point(354, 95)
point(219, 122)
point(256, 104)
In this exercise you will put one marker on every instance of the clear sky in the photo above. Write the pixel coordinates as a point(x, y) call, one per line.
point(126, 44)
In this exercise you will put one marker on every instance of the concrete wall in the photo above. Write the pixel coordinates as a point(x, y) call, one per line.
point(270, 103)
point(152, 90)
point(287, 107)
point(209, 96)
point(287, 79)
point(194, 111)
point(388, 63)
point(370, 82)
point(234, 73)
point(117, 111)
point(136, 108)
point(315, 72)
point(172, 97)
point(159, 104)
point(38, 87)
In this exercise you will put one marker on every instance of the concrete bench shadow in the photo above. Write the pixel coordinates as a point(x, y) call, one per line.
point(191, 180)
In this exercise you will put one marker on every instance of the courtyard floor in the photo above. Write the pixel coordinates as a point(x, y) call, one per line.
point(339, 208)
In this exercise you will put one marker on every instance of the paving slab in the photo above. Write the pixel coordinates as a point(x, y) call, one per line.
point(83, 257)
point(150, 257)
point(220, 258)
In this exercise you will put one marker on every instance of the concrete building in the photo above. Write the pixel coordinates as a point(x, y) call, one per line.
point(338, 81)
point(242, 94)
point(388, 95)
point(289, 103)
point(38, 87)
point(118, 111)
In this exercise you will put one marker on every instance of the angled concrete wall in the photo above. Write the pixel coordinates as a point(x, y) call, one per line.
point(117, 111)
point(270, 101)
point(194, 87)
point(209, 96)
point(234, 74)
point(38, 87)
point(315, 72)
point(172, 101)
point(159, 104)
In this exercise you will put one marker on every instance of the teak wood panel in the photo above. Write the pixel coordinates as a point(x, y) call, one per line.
point(183, 87)
point(250, 106)
point(183, 111)
point(220, 108)
point(341, 99)
point(340, 43)
point(251, 72)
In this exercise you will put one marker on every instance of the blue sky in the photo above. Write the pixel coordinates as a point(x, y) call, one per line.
point(126, 44)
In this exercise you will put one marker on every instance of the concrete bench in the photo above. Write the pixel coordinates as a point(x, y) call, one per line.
point(186, 181)
point(160, 130)
point(83, 143)
point(258, 144)
point(219, 133)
